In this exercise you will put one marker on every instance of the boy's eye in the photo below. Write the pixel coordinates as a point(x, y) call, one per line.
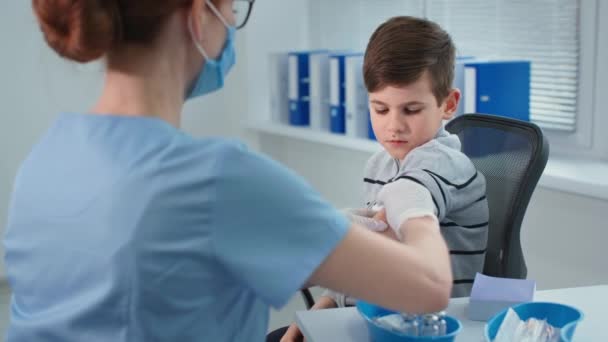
point(410, 111)
point(381, 110)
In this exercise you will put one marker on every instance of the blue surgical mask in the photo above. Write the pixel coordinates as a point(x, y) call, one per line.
point(211, 77)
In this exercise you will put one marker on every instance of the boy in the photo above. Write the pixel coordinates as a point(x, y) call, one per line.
point(408, 71)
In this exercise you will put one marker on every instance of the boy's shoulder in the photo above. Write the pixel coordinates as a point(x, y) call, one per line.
point(441, 155)
point(380, 157)
point(378, 161)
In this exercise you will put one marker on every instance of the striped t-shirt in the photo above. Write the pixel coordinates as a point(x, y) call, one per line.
point(459, 194)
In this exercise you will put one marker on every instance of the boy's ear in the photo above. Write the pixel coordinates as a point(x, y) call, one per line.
point(451, 103)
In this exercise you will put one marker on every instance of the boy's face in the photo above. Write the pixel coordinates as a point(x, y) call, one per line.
point(404, 118)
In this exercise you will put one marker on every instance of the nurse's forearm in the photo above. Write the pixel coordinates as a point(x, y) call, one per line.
point(413, 277)
point(423, 235)
point(389, 233)
point(324, 302)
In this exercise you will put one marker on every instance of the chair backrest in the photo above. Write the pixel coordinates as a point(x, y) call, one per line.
point(512, 155)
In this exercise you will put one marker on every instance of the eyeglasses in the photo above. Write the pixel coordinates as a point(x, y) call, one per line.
point(242, 10)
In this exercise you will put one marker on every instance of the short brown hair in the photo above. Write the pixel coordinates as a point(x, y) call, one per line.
point(403, 48)
point(85, 30)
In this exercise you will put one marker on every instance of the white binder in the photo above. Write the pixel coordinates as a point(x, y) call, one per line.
point(279, 101)
point(319, 91)
point(356, 107)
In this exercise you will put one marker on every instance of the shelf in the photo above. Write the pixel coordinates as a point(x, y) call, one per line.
point(308, 134)
point(578, 176)
point(583, 177)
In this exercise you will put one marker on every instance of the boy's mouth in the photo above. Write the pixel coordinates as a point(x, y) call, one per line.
point(396, 141)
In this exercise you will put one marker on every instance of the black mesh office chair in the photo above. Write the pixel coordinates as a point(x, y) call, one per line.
point(512, 155)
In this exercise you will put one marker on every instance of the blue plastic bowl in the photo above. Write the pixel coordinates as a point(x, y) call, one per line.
point(380, 334)
point(558, 315)
point(568, 331)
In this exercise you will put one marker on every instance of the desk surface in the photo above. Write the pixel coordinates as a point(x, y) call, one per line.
point(346, 325)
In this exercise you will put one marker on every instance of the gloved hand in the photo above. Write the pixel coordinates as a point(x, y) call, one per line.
point(403, 200)
point(364, 217)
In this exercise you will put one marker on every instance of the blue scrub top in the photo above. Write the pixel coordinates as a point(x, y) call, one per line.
point(127, 229)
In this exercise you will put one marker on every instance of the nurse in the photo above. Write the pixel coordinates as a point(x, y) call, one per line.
point(124, 228)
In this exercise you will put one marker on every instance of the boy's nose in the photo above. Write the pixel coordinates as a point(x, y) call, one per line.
point(396, 125)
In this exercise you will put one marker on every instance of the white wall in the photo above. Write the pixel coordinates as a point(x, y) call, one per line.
point(36, 85)
point(562, 234)
point(33, 88)
point(601, 81)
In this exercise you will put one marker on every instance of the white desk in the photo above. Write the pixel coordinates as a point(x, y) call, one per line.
point(346, 325)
